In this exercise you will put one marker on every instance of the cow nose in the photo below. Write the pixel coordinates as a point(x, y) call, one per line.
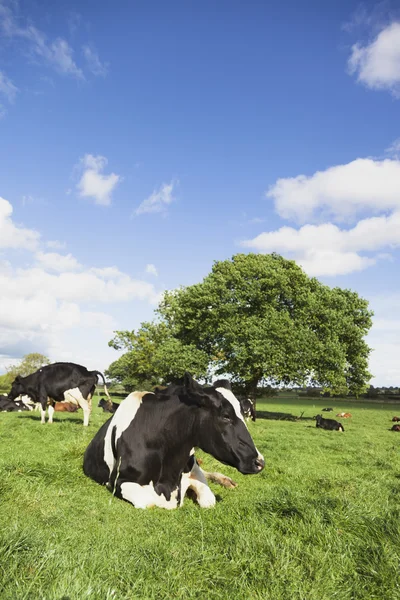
point(260, 463)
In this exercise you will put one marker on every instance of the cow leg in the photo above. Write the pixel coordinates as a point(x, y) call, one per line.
point(42, 414)
point(75, 396)
point(144, 496)
point(196, 481)
point(51, 412)
point(221, 479)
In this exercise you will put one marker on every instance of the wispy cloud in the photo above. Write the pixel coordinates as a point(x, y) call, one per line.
point(93, 183)
point(94, 63)
point(57, 54)
point(158, 201)
point(151, 269)
point(7, 88)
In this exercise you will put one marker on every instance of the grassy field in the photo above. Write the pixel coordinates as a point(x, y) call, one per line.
point(321, 522)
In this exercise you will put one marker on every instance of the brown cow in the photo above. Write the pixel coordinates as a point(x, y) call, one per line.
point(344, 415)
point(396, 419)
point(65, 407)
point(395, 428)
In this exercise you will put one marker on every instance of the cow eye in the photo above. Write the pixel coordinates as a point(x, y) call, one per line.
point(226, 418)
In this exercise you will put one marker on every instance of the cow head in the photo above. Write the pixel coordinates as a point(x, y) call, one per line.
point(17, 388)
point(220, 428)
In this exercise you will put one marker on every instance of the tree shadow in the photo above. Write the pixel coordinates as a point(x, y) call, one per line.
point(280, 416)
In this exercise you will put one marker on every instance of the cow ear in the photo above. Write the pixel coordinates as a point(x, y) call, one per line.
point(18, 378)
point(201, 396)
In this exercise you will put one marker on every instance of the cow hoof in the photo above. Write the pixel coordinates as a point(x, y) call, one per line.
point(227, 482)
point(207, 501)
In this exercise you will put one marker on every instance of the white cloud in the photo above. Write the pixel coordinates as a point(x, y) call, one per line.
point(94, 63)
point(151, 269)
point(55, 245)
point(93, 184)
point(341, 191)
point(47, 305)
point(7, 88)
point(158, 200)
point(52, 261)
point(377, 65)
point(13, 236)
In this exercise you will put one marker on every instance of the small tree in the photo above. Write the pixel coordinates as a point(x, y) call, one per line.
point(29, 364)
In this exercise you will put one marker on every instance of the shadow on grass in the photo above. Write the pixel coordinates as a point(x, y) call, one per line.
point(65, 420)
point(279, 416)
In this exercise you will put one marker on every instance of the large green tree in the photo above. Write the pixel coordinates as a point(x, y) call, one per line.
point(153, 356)
point(260, 317)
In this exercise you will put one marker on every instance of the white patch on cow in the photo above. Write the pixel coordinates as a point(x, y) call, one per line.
point(144, 496)
point(230, 396)
point(121, 420)
point(74, 396)
point(42, 415)
point(196, 481)
point(51, 413)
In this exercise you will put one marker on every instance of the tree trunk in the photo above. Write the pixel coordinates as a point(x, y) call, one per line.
point(251, 389)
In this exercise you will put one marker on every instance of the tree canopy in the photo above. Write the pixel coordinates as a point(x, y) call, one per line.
point(255, 317)
point(259, 316)
point(153, 356)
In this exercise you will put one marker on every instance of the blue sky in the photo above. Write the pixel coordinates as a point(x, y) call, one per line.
point(142, 141)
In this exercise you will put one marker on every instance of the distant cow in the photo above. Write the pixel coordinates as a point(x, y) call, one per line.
point(247, 408)
point(108, 406)
point(65, 407)
point(344, 415)
point(329, 424)
point(396, 419)
point(327, 409)
point(395, 428)
point(144, 452)
point(56, 383)
point(7, 405)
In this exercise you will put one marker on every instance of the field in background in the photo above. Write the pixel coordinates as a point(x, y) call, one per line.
point(321, 522)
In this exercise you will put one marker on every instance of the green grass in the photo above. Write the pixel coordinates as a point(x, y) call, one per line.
point(321, 522)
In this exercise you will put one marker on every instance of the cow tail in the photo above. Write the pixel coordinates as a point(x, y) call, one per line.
point(109, 403)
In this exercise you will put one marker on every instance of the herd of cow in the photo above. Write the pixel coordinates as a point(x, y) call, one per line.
point(144, 453)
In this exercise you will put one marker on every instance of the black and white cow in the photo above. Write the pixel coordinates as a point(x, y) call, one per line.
point(144, 453)
point(58, 382)
point(7, 405)
point(329, 424)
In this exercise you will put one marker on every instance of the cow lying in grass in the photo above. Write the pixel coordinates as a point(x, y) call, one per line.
point(327, 409)
point(7, 405)
point(344, 415)
point(395, 419)
point(65, 407)
point(107, 406)
point(329, 424)
point(144, 453)
point(395, 428)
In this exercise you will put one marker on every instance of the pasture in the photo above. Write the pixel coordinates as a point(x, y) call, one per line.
point(321, 522)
